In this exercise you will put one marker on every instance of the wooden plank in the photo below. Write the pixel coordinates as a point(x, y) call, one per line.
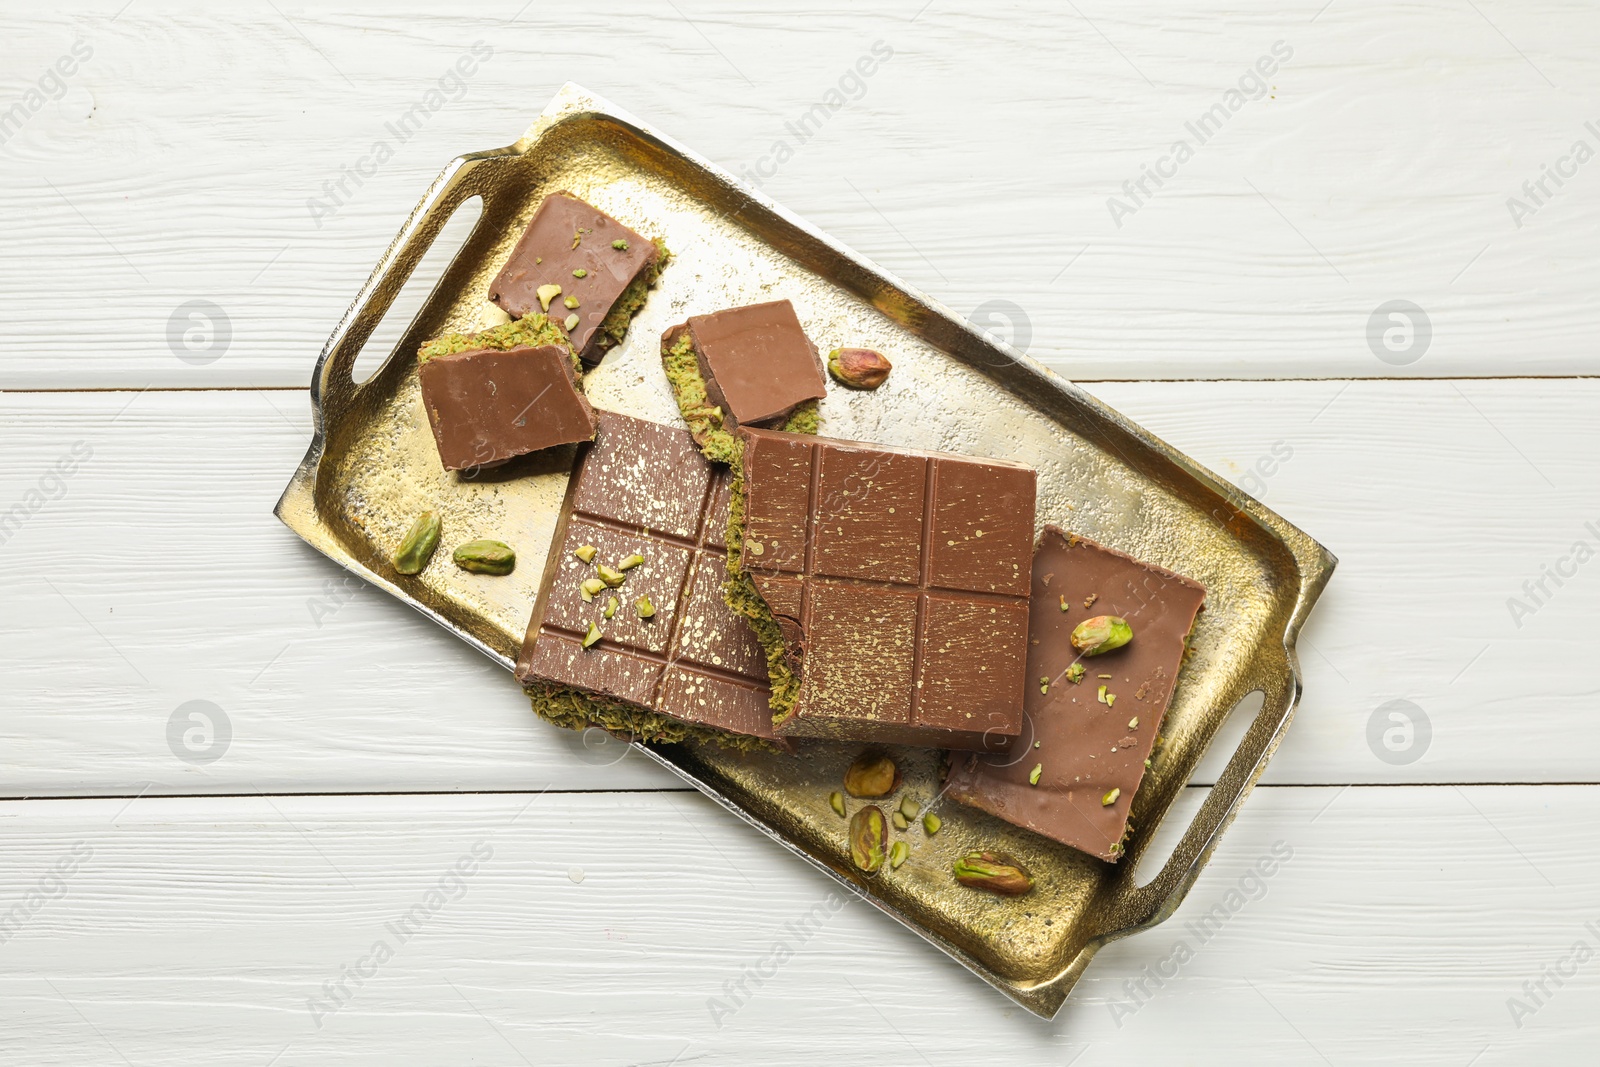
point(158, 576)
point(615, 929)
point(1257, 258)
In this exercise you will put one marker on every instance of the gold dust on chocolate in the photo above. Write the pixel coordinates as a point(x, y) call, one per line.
point(900, 580)
point(643, 495)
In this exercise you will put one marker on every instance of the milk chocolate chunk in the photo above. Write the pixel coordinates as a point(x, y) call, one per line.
point(644, 490)
point(899, 580)
point(596, 265)
point(757, 363)
point(1092, 736)
point(487, 406)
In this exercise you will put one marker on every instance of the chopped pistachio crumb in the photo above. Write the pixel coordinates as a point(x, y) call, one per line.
point(1064, 604)
point(592, 636)
point(620, 245)
point(1036, 744)
point(1090, 599)
point(1111, 700)
point(898, 854)
point(585, 553)
point(1101, 695)
point(547, 293)
point(1075, 673)
point(631, 562)
point(610, 575)
point(1102, 675)
point(1133, 723)
point(931, 824)
point(908, 807)
point(570, 302)
point(646, 609)
point(591, 587)
point(580, 273)
point(1033, 775)
point(611, 607)
point(836, 802)
point(1111, 797)
point(1147, 765)
point(899, 821)
point(572, 321)
point(1044, 685)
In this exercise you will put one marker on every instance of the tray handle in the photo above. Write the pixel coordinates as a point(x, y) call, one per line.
point(1274, 673)
point(333, 388)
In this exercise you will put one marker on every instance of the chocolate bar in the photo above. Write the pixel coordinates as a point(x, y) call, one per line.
point(898, 582)
point(643, 494)
point(1073, 772)
point(487, 406)
point(746, 366)
point(602, 269)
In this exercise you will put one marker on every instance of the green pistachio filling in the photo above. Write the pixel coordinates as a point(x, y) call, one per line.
point(534, 331)
point(574, 709)
point(615, 326)
point(722, 445)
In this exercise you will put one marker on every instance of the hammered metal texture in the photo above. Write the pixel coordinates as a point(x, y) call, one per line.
point(372, 468)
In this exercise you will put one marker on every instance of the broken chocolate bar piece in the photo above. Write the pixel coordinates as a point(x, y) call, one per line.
point(756, 363)
point(655, 513)
point(487, 406)
point(577, 264)
point(899, 582)
point(1094, 735)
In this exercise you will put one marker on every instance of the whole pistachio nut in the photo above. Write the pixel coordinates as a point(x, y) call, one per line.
point(1101, 634)
point(486, 557)
point(859, 368)
point(417, 547)
point(994, 872)
point(898, 854)
point(610, 575)
point(869, 838)
point(873, 774)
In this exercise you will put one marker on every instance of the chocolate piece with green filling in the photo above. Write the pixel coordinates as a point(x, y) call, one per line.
point(895, 584)
point(755, 365)
point(1094, 734)
point(488, 406)
point(579, 265)
point(671, 657)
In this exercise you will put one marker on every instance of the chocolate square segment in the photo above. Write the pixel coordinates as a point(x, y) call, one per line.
point(757, 362)
point(1086, 747)
point(899, 580)
point(564, 237)
point(488, 406)
point(643, 488)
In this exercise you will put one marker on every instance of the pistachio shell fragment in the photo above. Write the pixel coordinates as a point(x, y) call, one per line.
point(898, 854)
point(486, 557)
point(873, 774)
point(1101, 634)
point(418, 545)
point(994, 872)
point(869, 839)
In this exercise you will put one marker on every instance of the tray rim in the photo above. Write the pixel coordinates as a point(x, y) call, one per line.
point(1278, 675)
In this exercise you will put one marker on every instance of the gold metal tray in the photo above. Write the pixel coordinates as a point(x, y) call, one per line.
point(372, 467)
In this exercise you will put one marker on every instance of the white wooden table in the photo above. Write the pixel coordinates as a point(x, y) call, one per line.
point(171, 899)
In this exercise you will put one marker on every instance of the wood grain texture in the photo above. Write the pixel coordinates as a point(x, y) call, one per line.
point(605, 930)
point(159, 576)
point(978, 162)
